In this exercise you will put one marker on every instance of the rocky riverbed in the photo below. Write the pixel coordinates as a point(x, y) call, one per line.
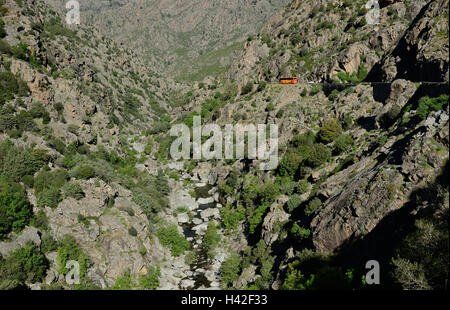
point(194, 203)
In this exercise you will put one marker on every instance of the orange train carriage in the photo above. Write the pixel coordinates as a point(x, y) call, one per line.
point(291, 80)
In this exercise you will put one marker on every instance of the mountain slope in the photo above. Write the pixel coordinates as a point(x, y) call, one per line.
point(189, 39)
point(75, 112)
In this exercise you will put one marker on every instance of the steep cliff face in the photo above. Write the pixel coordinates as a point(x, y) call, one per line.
point(189, 39)
point(424, 44)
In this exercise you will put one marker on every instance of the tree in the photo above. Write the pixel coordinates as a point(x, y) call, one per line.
point(342, 143)
point(211, 238)
point(293, 202)
point(15, 209)
point(170, 237)
point(313, 205)
point(427, 105)
point(26, 264)
point(330, 130)
point(319, 155)
point(229, 270)
point(73, 190)
point(290, 163)
point(85, 172)
point(18, 163)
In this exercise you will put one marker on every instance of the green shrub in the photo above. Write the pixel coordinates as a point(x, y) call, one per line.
point(231, 216)
point(160, 127)
point(70, 250)
point(170, 237)
point(333, 95)
point(21, 51)
point(132, 231)
point(270, 107)
point(190, 258)
point(130, 211)
point(41, 156)
point(49, 197)
point(28, 181)
point(40, 221)
point(257, 218)
point(390, 117)
point(247, 88)
point(2, 29)
point(127, 281)
point(189, 120)
point(145, 201)
point(319, 155)
point(293, 202)
point(84, 172)
point(48, 243)
point(354, 77)
point(312, 206)
point(287, 187)
point(58, 145)
point(296, 38)
point(315, 90)
point(7, 119)
point(47, 179)
point(342, 143)
point(26, 264)
point(300, 232)
point(261, 86)
point(150, 281)
point(290, 164)
point(229, 270)
point(37, 110)
point(327, 277)
point(15, 209)
point(73, 190)
point(346, 121)
point(229, 92)
point(211, 239)
point(303, 186)
point(427, 105)
point(17, 162)
point(10, 86)
point(325, 25)
point(330, 130)
point(5, 48)
point(73, 128)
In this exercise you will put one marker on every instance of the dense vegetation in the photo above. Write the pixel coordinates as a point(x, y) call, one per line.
point(169, 236)
point(25, 265)
point(15, 209)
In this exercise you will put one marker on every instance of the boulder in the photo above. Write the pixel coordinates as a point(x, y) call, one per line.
point(28, 234)
point(183, 218)
point(205, 201)
point(211, 212)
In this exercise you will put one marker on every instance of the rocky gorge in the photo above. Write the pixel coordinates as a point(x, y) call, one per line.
point(86, 172)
